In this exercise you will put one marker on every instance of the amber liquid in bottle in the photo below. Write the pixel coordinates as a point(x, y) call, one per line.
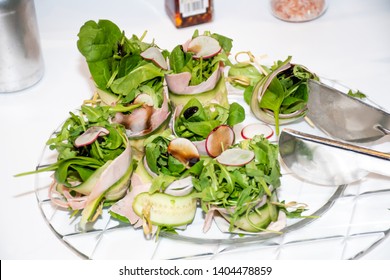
point(185, 13)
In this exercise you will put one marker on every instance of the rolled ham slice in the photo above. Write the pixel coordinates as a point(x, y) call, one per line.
point(115, 170)
point(144, 120)
point(179, 83)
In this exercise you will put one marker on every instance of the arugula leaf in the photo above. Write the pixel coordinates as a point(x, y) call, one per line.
point(159, 160)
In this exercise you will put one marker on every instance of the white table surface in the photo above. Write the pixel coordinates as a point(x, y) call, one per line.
point(350, 43)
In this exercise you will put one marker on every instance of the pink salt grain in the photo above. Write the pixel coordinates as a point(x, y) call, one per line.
point(297, 10)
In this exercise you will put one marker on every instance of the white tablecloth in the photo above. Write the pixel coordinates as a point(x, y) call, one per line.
point(349, 43)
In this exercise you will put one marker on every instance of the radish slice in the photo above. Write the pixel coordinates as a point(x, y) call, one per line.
point(204, 46)
point(219, 139)
point(154, 54)
point(90, 135)
point(184, 151)
point(147, 168)
point(144, 98)
point(235, 157)
point(180, 187)
point(251, 130)
point(201, 146)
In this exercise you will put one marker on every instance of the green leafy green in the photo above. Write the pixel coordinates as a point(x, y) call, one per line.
point(244, 75)
point(287, 91)
point(200, 68)
point(166, 167)
point(116, 64)
point(196, 121)
point(356, 94)
point(239, 189)
point(75, 165)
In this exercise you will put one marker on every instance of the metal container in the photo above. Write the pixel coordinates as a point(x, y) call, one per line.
point(21, 62)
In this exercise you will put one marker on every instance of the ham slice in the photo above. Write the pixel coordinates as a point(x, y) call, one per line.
point(116, 169)
point(111, 174)
point(124, 207)
point(179, 83)
point(76, 202)
point(143, 120)
point(137, 121)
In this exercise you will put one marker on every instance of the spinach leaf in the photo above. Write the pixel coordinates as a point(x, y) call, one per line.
point(116, 64)
point(135, 78)
point(236, 114)
point(243, 75)
point(178, 59)
point(98, 42)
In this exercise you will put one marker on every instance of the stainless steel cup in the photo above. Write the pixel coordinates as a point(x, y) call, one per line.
point(21, 62)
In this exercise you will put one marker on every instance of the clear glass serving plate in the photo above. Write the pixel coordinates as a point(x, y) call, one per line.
point(349, 221)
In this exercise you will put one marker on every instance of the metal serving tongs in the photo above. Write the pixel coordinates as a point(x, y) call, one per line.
point(344, 117)
point(325, 161)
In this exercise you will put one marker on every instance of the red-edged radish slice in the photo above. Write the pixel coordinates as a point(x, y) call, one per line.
point(184, 151)
point(219, 139)
point(204, 46)
point(251, 130)
point(90, 135)
point(235, 157)
point(154, 54)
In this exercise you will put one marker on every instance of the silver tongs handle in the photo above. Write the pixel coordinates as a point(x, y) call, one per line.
point(326, 161)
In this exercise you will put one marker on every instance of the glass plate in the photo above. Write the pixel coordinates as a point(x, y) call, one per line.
point(350, 220)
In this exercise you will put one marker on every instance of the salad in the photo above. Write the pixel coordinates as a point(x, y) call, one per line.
point(197, 70)
point(161, 193)
point(127, 71)
point(240, 185)
point(94, 163)
point(210, 127)
point(276, 95)
point(124, 151)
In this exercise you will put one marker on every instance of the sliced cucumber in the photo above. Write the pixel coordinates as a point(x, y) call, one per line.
point(114, 192)
point(258, 220)
point(107, 98)
point(255, 221)
point(86, 187)
point(165, 210)
point(273, 209)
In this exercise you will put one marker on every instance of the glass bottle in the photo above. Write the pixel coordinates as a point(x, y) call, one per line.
point(185, 13)
point(298, 10)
